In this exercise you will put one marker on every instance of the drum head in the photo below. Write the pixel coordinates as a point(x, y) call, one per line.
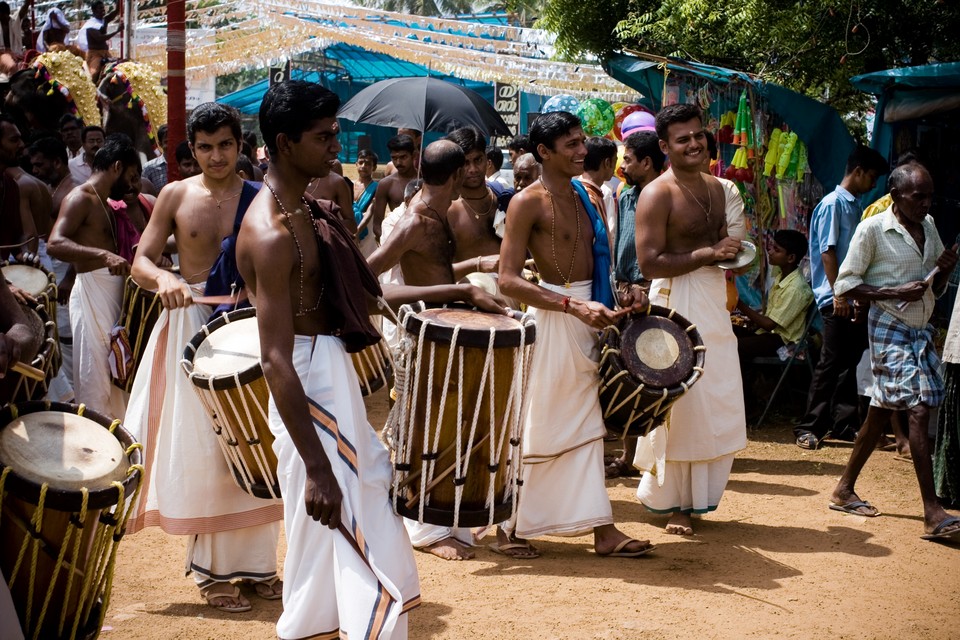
point(656, 351)
point(64, 450)
point(32, 280)
point(231, 348)
point(474, 327)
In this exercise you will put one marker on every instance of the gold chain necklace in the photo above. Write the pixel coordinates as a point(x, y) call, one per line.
point(220, 202)
point(553, 234)
point(490, 206)
point(111, 220)
point(300, 310)
point(709, 206)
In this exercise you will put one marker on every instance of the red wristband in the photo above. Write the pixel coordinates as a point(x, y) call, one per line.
point(565, 304)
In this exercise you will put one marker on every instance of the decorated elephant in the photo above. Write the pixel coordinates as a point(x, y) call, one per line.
point(134, 103)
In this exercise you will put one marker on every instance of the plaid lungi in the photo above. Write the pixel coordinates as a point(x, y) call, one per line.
point(905, 363)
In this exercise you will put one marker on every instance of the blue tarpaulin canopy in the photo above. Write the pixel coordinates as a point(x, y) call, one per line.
point(818, 125)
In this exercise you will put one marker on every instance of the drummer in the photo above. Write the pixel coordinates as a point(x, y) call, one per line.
point(85, 234)
point(333, 469)
point(681, 232)
point(232, 536)
point(423, 245)
point(17, 341)
point(18, 233)
point(564, 490)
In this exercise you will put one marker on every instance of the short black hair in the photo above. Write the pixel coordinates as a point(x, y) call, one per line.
point(162, 134)
point(183, 152)
point(495, 156)
point(401, 142)
point(469, 139)
point(250, 137)
point(293, 106)
point(117, 147)
point(244, 164)
point(598, 150)
point(67, 118)
point(867, 159)
point(520, 144)
point(676, 113)
point(440, 160)
point(550, 126)
point(367, 153)
point(49, 147)
point(646, 144)
point(793, 242)
point(210, 117)
point(89, 129)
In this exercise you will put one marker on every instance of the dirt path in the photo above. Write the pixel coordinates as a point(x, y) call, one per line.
point(773, 561)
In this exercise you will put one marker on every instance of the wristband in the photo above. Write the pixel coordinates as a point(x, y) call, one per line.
point(565, 304)
point(479, 270)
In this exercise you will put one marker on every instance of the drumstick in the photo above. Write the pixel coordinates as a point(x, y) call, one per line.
point(416, 474)
point(215, 301)
point(27, 371)
point(437, 480)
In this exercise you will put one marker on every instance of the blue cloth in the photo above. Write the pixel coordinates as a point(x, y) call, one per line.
point(905, 363)
point(602, 289)
point(366, 199)
point(627, 269)
point(224, 278)
point(502, 193)
point(832, 225)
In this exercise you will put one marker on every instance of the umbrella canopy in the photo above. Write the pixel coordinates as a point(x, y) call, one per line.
point(425, 104)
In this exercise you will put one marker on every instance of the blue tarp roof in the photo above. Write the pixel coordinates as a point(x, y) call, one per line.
point(928, 76)
point(818, 125)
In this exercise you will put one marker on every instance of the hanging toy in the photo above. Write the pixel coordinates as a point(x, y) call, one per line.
point(784, 162)
point(803, 165)
point(773, 152)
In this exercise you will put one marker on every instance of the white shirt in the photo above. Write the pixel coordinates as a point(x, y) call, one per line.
point(733, 206)
point(16, 35)
point(502, 178)
point(79, 169)
point(92, 23)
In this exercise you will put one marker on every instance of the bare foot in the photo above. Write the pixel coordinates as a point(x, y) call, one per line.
point(679, 524)
point(610, 541)
point(449, 549)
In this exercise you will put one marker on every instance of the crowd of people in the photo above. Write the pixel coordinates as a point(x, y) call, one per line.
point(319, 255)
point(25, 36)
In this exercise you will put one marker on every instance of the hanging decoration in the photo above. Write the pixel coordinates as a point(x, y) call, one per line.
point(63, 72)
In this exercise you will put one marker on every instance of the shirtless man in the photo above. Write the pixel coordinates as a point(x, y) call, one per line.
point(333, 586)
point(85, 234)
point(48, 161)
point(417, 137)
point(232, 536)
point(422, 243)
point(471, 216)
point(681, 232)
point(403, 155)
point(564, 489)
point(34, 199)
point(18, 225)
point(526, 171)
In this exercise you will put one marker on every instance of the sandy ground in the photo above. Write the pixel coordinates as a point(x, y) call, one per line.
point(773, 561)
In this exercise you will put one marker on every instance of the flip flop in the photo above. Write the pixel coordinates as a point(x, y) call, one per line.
point(808, 441)
point(853, 508)
point(210, 596)
point(265, 589)
point(618, 551)
point(941, 531)
point(524, 550)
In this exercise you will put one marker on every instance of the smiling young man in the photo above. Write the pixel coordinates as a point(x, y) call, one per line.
point(564, 492)
point(189, 488)
point(681, 232)
point(85, 234)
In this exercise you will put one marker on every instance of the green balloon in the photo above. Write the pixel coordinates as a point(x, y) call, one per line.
point(596, 116)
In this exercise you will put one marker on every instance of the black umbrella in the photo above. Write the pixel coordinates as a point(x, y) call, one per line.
point(425, 104)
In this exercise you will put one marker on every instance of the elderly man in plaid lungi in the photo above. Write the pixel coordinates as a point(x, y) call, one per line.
point(897, 261)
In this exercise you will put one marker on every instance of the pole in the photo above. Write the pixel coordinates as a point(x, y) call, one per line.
point(176, 83)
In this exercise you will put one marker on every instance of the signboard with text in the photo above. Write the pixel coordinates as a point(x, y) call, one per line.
point(507, 104)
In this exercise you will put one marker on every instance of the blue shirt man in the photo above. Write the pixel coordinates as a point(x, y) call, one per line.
point(831, 226)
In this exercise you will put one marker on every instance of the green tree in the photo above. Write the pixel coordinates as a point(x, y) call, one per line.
point(811, 46)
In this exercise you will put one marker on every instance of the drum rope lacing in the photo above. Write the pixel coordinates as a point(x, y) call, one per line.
point(403, 443)
point(97, 574)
